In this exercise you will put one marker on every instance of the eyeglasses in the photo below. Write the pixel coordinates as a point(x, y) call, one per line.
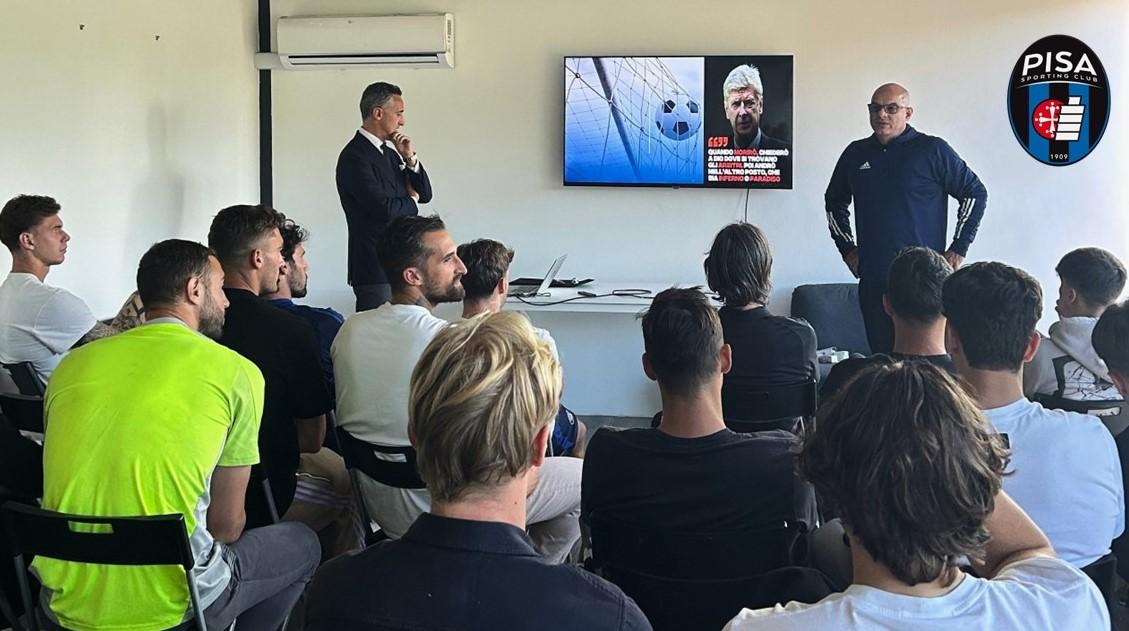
point(889, 108)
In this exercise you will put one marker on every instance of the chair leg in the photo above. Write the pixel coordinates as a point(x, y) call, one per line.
point(194, 596)
point(30, 610)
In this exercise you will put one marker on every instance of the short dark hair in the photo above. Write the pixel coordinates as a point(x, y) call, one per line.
point(23, 213)
point(907, 460)
point(914, 284)
point(293, 236)
point(377, 95)
point(486, 261)
point(401, 245)
point(993, 309)
point(1096, 274)
point(236, 229)
point(682, 336)
point(166, 267)
point(739, 265)
point(1111, 338)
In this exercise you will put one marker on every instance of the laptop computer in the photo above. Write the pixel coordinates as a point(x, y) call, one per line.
point(543, 288)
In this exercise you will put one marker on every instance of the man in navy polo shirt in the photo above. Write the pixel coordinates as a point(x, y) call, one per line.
point(899, 180)
point(293, 283)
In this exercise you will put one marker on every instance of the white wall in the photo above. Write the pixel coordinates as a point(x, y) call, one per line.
point(139, 138)
point(489, 132)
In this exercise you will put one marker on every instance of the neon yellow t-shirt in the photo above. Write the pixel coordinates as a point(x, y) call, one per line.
point(136, 423)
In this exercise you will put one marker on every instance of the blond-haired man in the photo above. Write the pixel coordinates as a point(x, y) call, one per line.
point(482, 395)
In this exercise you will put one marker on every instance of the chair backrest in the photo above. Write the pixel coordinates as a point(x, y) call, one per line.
point(156, 540)
point(699, 580)
point(832, 309)
point(1113, 413)
point(24, 412)
point(361, 455)
point(24, 376)
point(749, 407)
point(148, 540)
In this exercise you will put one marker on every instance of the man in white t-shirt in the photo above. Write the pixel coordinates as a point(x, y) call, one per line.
point(374, 355)
point(1067, 475)
point(914, 470)
point(40, 323)
point(487, 283)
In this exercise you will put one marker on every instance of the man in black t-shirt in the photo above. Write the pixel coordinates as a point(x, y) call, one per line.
point(692, 473)
point(247, 241)
point(913, 302)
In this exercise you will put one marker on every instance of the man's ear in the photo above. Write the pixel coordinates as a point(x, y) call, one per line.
point(725, 359)
point(256, 259)
point(412, 277)
point(1032, 347)
point(886, 305)
point(909, 113)
point(952, 342)
point(503, 286)
point(1121, 382)
point(27, 242)
point(540, 446)
point(1072, 296)
point(194, 291)
point(648, 369)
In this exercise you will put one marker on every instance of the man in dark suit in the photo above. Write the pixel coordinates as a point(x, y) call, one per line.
point(379, 178)
point(744, 105)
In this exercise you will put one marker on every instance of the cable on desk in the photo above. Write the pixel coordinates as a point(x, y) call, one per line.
point(644, 294)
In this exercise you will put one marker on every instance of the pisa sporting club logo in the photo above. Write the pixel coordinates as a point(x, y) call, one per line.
point(1058, 99)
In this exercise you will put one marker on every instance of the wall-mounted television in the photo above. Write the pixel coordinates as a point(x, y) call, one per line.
point(713, 121)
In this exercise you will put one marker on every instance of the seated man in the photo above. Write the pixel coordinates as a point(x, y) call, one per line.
point(374, 355)
point(482, 396)
point(247, 242)
point(1111, 343)
point(1067, 476)
point(768, 350)
point(162, 420)
point(912, 467)
point(913, 302)
point(1066, 366)
point(293, 284)
point(692, 474)
point(40, 323)
point(487, 283)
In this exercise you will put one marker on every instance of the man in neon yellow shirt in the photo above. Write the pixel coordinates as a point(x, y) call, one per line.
point(162, 420)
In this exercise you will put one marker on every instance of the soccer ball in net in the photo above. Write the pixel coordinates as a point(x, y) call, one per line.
point(678, 117)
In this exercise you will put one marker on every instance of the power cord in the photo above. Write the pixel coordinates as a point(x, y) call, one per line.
point(643, 294)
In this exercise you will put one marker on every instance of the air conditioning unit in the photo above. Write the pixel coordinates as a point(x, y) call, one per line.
point(418, 41)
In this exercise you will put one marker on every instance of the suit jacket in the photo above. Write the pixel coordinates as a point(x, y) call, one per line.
point(373, 192)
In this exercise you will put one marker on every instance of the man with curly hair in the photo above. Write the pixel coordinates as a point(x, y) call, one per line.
point(913, 468)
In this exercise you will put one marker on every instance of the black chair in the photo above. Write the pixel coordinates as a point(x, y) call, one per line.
point(701, 580)
point(23, 375)
point(752, 408)
point(24, 412)
point(157, 540)
point(1113, 413)
point(361, 456)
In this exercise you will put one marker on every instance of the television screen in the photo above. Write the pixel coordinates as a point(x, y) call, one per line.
point(717, 121)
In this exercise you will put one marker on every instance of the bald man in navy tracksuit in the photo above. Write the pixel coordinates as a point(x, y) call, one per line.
point(900, 181)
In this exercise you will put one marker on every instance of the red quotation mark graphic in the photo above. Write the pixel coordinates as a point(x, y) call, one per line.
point(1055, 120)
point(718, 142)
